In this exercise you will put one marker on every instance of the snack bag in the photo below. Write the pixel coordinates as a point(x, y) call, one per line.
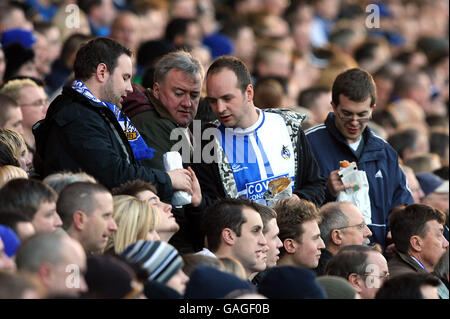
point(277, 189)
point(172, 160)
point(359, 194)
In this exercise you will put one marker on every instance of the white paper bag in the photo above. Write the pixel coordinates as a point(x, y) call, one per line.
point(359, 194)
point(172, 161)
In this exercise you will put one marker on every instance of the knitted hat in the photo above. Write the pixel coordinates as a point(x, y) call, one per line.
point(290, 282)
point(107, 277)
point(16, 56)
point(431, 183)
point(336, 287)
point(10, 240)
point(207, 282)
point(160, 259)
point(24, 37)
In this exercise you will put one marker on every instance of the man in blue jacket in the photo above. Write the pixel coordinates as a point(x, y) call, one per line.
point(346, 136)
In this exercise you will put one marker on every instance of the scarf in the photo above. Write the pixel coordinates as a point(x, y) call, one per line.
point(140, 149)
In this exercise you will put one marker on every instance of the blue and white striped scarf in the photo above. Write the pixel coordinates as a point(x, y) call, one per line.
point(140, 149)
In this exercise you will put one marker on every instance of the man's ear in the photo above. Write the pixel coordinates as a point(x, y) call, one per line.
point(156, 88)
point(336, 237)
point(250, 92)
point(45, 273)
point(290, 245)
point(333, 106)
point(356, 281)
point(228, 236)
point(102, 72)
point(79, 220)
point(416, 243)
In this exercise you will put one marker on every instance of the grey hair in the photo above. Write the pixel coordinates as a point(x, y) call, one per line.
point(58, 181)
point(38, 249)
point(332, 218)
point(180, 60)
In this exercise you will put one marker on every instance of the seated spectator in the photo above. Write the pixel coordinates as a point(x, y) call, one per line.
point(233, 228)
point(19, 223)
point(337, 287)
point(7, 156)
point(364, 267)
point(135, 220)
point(413, 184)
point(317, 99)
point(17, 144)
point(410, 286)
point(435, 190)
point(439, 144)
point(423, 162)
point(145, 191)
point(35, 200)
point(409, 142)
point(233, 266)
point(191, 261)
point(21, 285)
point(299, 232)
point(58, 181)
point(441, 271)
point(86, 210)
point(49, 256)
point(269, 93)
point(9, 172)
point(161, 260)
point(10, 114)
point(342, 224)
point(417, 232)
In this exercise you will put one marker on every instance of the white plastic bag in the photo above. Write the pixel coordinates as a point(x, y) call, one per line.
point(172, 160)
point(359, 194)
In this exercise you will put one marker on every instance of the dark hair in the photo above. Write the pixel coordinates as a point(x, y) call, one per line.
point(96, 51)
point(12, 219)
point(25, 196)
point(224, 213)
point(267, 214)
point(234, 64)
point(78, 196)
point(406, 286)
point(291, 214)
point(307, 97)
point(404, 139)
point(133, 188)
point(177, 26)
point(352, 259)
point(439, 142)
point(72, 44)
point(356, 84)
point(442, 172)
point(192, 261)
point(410, 221)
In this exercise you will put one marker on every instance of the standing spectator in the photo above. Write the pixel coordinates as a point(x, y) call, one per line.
point(273, 144)
point(346, 136)
point(81, 131)
point(299, 232)
point(86, 210)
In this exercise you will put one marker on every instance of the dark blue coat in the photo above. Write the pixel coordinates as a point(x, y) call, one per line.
point(387, 182)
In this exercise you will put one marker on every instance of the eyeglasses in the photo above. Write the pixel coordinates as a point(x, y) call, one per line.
point(383, 277)
point(359, 226)
point(348, 119)
point(39, 103)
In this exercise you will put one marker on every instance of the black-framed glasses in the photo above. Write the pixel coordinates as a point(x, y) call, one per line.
point(359, 226)
point(348, 119)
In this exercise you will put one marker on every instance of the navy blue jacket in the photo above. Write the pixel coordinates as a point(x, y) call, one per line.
point(387, 182)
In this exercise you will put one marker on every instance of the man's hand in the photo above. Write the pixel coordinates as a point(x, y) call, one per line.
point(196, 190)
point(335, 185)
point(181, 180)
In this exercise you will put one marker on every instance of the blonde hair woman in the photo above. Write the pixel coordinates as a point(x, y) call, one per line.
point(18, 147)
point(135, 219)
point(9, 172)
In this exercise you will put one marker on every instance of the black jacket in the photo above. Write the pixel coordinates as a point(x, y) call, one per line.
point(80, 135)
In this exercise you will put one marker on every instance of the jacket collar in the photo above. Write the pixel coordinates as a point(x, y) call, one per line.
point(159, 108)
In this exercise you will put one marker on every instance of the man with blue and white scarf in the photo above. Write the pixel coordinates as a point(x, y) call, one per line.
point(85, 129)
